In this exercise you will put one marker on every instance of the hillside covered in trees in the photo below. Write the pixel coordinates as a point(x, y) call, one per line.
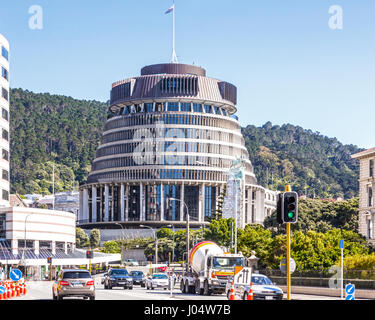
point(54, 130)
point(47, 129)
point(312, 163)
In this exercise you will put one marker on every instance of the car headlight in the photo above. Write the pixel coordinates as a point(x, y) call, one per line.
point(112, 279)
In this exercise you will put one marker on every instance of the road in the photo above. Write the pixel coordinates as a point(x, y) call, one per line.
point(41, 290)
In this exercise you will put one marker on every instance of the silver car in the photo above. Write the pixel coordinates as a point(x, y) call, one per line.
point(157, 281)
point(73, 283)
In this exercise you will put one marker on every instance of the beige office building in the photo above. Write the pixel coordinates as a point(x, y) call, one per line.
point(366, 193)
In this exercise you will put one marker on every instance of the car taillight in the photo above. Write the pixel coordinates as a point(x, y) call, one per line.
point(90, 283)
point(63, 283)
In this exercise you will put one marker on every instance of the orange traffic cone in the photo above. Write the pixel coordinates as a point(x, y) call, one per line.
point(8, 289)
point(13, 288)
point(250, 295)
point(18, 289)
point(24, 287)
point(231, 293)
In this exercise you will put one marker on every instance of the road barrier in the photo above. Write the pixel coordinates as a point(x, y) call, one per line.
point(12, 289)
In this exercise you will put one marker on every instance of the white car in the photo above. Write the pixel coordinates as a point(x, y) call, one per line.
point(131, 262)
point(263, 289)
point(157, 281)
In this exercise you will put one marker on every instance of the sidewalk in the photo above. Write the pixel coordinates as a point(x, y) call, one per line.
point(359, 293)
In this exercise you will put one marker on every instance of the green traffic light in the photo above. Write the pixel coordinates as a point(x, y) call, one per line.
point(290, 214)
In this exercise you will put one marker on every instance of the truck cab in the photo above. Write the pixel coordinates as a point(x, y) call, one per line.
point(220, 269)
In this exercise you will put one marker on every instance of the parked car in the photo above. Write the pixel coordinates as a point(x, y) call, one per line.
point(138, 278)
point(131, 262)
point(117, 277)
point(157, 280)
point(263, 289)
point(73, 283)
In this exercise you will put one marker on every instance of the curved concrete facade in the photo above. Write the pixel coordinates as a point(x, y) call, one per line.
point(4, 122)
point(172, 133)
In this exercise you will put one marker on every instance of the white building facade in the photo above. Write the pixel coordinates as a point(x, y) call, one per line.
point(4, 122)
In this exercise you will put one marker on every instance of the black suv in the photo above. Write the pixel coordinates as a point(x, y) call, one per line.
point(118, 278)
point(138, 278)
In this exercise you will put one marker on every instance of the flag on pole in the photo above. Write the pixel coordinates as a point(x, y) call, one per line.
point(170, 9)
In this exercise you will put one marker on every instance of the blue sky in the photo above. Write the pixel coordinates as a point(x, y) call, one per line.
point(288, 65)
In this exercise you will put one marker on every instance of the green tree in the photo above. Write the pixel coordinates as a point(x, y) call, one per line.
point(82, 239)
point(94, 238)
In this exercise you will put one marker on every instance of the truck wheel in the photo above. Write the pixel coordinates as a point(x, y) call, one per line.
point(182, 286)
point(198, 289)
point(206, 289)
point(187, 287)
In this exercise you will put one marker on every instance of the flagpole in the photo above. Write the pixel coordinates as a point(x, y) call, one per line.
point(174, 57)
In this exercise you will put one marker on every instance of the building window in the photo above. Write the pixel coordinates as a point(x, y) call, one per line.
point(4, 53)
point(371, 168)
point(5, 135)
point(172, 106)
point(370, 197)
point(6, 195)
point(186, 107)
point(5, 175)
point(369, 229)
point(197, 107)
point(5, 155)
point(5, 114)
point(4, 73)
point(207, 108)
point(5, 94)
point(149, 107)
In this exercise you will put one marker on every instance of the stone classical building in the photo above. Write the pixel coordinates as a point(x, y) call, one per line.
point(366, 193)
point(166, 150)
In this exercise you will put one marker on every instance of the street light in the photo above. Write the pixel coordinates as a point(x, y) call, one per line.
point(156, 240)
point(122, 230)
point(187, 230)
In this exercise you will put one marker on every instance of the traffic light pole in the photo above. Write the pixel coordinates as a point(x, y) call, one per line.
point(288, 279)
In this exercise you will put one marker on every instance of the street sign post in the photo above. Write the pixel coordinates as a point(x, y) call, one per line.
point(242, 276)
point(15, 275)
point(350, 292)
point(2, 289)
point(341, 246)
point(283, 264)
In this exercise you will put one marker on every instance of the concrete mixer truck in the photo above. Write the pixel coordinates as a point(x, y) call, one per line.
point(210, 269)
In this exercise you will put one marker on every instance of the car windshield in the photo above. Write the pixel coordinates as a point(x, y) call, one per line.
point(261, 280)
point(159, 276)
point(76, 275)
point(136, 273)
point(227, 262)
point(122, 272)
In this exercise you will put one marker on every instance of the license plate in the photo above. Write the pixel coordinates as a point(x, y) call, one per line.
point(121, 282)
point(269, 298)
point(77, 285)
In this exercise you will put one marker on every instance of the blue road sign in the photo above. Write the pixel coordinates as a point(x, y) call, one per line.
point(341, 244)
point(2, 289)
point(350, 292)
point(15, 275)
